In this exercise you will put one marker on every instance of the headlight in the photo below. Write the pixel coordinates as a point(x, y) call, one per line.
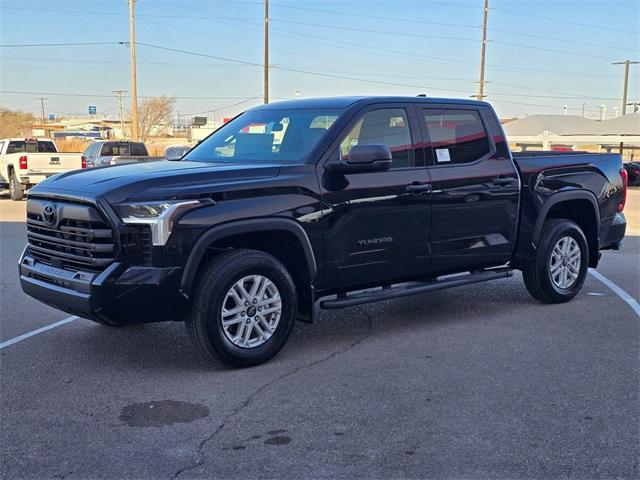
point(159, 216)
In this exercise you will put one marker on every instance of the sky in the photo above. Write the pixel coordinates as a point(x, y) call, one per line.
point(541, 54)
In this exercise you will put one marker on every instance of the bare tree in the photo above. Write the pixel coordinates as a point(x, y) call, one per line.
point(152, 113)
point(15, 123)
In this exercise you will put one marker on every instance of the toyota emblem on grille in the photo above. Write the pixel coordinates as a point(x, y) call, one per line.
point(49, 214)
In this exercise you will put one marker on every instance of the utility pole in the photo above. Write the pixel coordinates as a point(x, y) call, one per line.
point(119, 93)
point(626, 64)
point(44, 124)
point(481, 94)
point(266, 51)
point(134, 81)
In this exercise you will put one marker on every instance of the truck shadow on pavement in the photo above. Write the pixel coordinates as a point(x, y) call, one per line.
point(167, 345)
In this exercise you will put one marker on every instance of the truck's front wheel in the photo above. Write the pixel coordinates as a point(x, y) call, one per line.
point(243, 309)
point(16, 192)
point(559, 268)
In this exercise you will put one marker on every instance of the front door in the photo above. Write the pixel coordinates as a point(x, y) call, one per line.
point(475, 189)
point(377, 223)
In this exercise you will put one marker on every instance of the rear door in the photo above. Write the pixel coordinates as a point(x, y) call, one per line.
point(475, 188)
point(377, 223)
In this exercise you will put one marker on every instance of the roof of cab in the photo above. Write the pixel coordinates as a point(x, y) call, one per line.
point(346, 102)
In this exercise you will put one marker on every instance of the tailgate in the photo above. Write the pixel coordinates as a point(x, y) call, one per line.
point(53, 162)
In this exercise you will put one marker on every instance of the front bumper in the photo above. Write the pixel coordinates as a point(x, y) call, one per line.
point(119, 295)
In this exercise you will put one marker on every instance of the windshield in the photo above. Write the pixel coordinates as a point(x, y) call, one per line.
point(266, 136)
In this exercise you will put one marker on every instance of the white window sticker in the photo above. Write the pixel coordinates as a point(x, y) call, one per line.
point(442, 155)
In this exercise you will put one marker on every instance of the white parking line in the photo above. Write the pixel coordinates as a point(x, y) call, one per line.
point(632, 302)
point(24, 336)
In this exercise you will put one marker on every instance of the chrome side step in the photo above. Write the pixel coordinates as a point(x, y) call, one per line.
point(404, 290)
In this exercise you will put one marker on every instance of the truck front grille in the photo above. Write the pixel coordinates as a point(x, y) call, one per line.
point(74, 237)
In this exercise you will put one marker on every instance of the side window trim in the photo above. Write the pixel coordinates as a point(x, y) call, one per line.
point(430, 161)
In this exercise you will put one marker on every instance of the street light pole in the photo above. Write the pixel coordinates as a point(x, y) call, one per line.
point(134, 81)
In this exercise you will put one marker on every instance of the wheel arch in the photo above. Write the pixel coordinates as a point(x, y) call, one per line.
point(581, 206)
point(283, 238)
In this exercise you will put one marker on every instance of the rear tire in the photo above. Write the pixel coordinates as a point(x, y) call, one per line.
point(16, 192)
point(558, 270)
point(232, 287)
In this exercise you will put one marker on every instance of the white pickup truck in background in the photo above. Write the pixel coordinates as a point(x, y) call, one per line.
point(24, 162)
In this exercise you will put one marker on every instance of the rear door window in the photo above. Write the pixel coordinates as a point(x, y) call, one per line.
point(456, 136)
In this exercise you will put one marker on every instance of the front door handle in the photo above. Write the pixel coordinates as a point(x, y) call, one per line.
point(503, 181)
point(418, 188)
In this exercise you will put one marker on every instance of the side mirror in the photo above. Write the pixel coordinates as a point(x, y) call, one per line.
point(364, 158)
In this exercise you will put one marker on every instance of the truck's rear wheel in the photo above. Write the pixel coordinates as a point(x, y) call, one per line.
point(559, 268)
point(243, 309)
point(16, 192)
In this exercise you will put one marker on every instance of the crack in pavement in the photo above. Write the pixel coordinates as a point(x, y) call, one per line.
point(200, 450)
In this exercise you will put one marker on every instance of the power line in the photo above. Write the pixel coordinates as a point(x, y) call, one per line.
point(564, 21)
point(100, 95)
point(225, 107)
point(17, 45)
point(115, 14)
point(563, 40)
point(554, 50)
point(187, 52)
point(398, 53)
point(371, 30)
point(345, 77)
point(377, 17)
point(295, 70)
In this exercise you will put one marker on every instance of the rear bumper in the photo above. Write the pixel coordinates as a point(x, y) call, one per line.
point(34, 178)
point(612, 238)
point(119, 295)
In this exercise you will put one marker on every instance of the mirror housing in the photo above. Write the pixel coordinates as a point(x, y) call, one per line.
point(364, 158)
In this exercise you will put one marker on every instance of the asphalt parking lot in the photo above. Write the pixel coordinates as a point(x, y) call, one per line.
point(475, 382)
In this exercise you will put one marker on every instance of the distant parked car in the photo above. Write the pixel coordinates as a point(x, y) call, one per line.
point(102, 154)
point(633, 170)
point(176, 152)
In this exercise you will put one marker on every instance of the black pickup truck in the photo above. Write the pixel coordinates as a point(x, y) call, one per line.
point(341, 200)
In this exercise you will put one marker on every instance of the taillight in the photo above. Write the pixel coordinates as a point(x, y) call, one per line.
point(23, 162)
point(84, 162)
point(625, 181)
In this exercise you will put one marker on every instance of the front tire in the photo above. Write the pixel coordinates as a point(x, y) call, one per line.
point(16, 192)
point(558, 270)
point(244, 308)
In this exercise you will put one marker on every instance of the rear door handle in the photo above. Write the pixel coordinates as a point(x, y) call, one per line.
point(503, 181)
point(419, 188)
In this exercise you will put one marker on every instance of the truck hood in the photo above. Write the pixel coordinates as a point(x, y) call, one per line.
point(157, 180)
